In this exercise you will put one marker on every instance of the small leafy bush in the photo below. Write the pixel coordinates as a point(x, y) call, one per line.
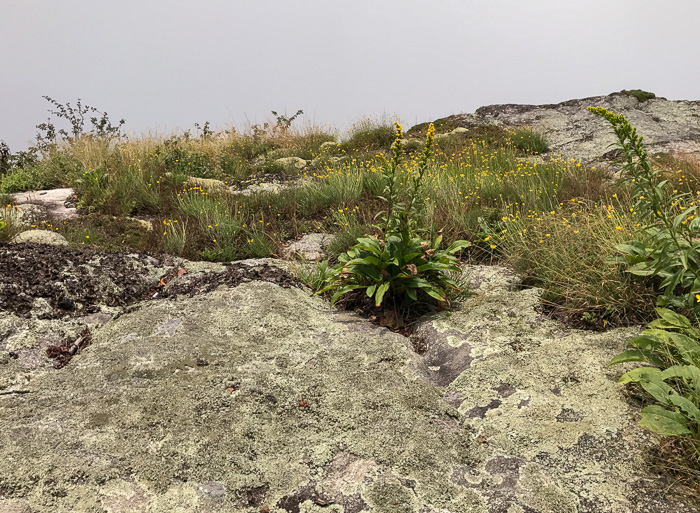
point(90, 187)
point(670, 346)
point(668, 248)
point(20, 180)
point(76, 115)
point(640, 95)
point(398, 267)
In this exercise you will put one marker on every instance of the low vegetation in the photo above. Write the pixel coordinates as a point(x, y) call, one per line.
point(397, 268)
point(640, 95)
point(605, 252)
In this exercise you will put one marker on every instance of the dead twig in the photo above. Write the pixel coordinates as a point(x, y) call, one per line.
point(10, 392)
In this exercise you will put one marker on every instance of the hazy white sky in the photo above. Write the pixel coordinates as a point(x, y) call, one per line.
point(166, 64)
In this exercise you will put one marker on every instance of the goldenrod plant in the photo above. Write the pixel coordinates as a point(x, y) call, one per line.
point(398, 265)
point(670, 346)
point(668, 247)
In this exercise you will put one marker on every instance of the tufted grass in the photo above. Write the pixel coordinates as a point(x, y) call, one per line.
point(479, 183)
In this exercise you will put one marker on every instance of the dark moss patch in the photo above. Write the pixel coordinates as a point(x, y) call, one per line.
point(73, 281)
point(234, 275)
point(442, 126)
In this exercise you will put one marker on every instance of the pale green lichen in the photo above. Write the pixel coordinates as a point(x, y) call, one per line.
point(272, 396)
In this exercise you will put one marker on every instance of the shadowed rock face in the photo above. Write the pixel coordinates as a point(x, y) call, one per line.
point(667, 126)
point(255, 396)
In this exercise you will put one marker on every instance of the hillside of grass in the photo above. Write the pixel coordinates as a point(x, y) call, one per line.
point(552, 219)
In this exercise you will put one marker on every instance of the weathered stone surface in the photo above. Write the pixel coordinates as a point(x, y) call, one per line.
point(260, 397)
point(208, 185)
point(51, 202)
point(549, 415)
point(329, 145)
point(311, 247)
point(667, 126)
point(40, 237)
point(292, 162)
point(268, 182)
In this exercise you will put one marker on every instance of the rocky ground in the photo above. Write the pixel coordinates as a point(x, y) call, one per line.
point(210, 388)
point(671, 127)
point(147, 383)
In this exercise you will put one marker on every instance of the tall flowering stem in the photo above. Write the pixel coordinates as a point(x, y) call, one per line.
point(671, 247)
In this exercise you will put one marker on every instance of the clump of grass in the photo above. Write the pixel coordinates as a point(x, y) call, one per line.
point(107, 231)
point(568, 253)
point(442, 125)
point(10, 219)
point(174, 236)
point(639, 94)
point(526, 140)
point(369, 134)
point(24, 179)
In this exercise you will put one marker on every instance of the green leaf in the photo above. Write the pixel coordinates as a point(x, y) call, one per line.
point(457, 245)
point(680, 217)
point(371, 289)
point(664, 422)
point(366, 270)
point(636, 355)
point(685, 372)
point(686, 405)
point(411, 292)
point(380, 293)
point(435, 293)
point(645, 341)
point(632, 248)
point(641, 269)
point(345, 290)
point(670, 283)
point(436, 266)
point(635, 375)
point(673, 318)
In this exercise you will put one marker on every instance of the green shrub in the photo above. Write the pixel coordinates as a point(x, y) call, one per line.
point(20, 180)
point(640, 95)
point(400, 268)
point(442, 126)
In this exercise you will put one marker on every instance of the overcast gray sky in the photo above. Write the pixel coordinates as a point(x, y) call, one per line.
point(165, 64)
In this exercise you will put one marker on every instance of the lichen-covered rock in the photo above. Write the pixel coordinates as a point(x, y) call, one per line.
point(667, 126)
point(311, 247)
point(540, 399)
point(40, 237)
point(253, 396)
point(208, 185)
point(329, 145)
point(292, 162)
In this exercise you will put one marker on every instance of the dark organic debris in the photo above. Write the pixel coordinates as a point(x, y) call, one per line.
point(13, 392)
point(74, 281)
point(63, 353)
point(235, 274)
